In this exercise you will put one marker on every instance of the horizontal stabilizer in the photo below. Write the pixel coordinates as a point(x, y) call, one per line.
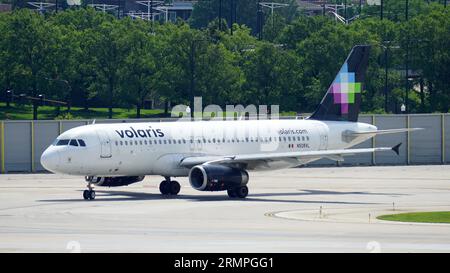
point(396, 148)
point(381, 132)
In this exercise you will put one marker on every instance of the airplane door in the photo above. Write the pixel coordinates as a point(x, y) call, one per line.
point(105, 144)
point(323, 137)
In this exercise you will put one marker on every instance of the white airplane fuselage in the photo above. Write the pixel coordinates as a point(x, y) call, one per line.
point(156, 148)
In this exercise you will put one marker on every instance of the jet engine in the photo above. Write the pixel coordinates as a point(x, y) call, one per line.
point(210, 177)
point(115, 181)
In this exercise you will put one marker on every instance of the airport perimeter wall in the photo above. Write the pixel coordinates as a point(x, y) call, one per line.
point(22, 142)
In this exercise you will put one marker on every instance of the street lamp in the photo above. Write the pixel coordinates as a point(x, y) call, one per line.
point(9, 96)
point(385, 46)
point(192, 68)
point(403, 108)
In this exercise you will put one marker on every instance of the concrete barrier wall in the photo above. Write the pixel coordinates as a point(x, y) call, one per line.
point(22, 142)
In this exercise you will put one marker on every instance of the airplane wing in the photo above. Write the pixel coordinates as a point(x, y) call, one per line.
point(249, 158)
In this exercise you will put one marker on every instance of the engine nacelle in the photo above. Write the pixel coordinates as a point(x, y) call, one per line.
point(115, 181)
point(208, 177)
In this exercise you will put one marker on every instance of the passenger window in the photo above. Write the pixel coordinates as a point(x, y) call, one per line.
point(81, 142)
point(62, 142)
point(73, 142)
point(121, 143)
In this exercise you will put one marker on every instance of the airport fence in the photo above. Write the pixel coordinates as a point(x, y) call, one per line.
point(22, 142)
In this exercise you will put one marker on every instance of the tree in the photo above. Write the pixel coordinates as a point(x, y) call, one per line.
point(140, 70)
point(29, 45)
point(108, 57)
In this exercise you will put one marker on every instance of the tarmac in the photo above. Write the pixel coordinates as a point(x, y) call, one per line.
point(294, 210)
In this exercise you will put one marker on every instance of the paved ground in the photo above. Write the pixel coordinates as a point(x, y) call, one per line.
point(45, 212)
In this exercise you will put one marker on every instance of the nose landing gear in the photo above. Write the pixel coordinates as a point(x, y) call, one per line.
point(169, 187)
point(89, 194)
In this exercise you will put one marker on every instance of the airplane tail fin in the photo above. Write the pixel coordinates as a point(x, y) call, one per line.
point(343, 98)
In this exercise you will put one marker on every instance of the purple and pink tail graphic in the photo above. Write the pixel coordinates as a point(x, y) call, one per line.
point(344, 88)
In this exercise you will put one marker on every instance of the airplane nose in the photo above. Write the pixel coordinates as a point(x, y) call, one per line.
point(50, 159)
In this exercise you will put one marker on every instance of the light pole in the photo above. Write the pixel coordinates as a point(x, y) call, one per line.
point(259, 20)
point(220, 14)
point(386, 46)
point(407, 59)
point(9, 96)
point(192, 68)
point(272, 6)
point(385, 78)
point(231, 16)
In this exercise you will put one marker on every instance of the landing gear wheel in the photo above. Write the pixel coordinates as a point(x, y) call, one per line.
point(174, 187)
point(231, 193)
point(86, 194)
point(241, 192)
point(164, 187)
point(89, 195)
point(92, 195)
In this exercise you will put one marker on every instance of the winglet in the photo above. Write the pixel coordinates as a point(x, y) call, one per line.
point(396, 148)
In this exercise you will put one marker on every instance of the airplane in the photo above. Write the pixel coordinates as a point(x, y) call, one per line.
point(217, 155)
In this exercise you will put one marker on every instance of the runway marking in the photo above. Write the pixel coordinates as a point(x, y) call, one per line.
point(372, 212)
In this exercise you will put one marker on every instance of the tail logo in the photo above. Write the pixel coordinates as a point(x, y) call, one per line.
point(344, 88)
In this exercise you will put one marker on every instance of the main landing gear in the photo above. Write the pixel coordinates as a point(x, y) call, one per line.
point(90, 193)
point(239, 192)
point(169, 187)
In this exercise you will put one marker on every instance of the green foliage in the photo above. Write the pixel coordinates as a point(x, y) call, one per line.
point(422, 217)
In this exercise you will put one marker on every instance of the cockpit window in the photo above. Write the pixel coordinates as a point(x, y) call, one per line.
point(62, 142)
point(73, 142)
point(82, 144)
